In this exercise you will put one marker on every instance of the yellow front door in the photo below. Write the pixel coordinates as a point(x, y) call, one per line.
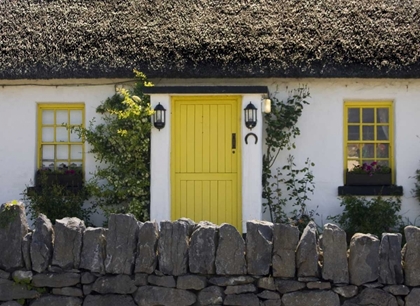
point(206, 159)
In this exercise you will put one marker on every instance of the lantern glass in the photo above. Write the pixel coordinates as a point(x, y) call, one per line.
point(159, 117)
point(250, 113)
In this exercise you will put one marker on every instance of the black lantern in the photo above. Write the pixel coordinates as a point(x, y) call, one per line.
point(159, 117)
point(250, 116)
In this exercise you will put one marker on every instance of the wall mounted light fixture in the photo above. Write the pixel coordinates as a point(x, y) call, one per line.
point(250, 112)
point(159, 117)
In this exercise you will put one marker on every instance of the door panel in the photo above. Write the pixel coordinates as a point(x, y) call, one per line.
point(205, 167)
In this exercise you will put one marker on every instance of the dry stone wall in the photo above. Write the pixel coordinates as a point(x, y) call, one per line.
point(131, 263)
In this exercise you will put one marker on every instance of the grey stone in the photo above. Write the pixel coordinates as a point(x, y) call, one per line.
point(247, 299)
point(121, 243)
point(230, 254)
point(266, 283)
point(22, 276)
point(87, 289)
point(26, 250)
point(10, 303)
point(285, 240)
point(311, 298)
point(68, 242)
point(147, 248)
point(270, 303)
point(284, 286)
point(318, 285)
point(195, 282)
point(413, 298)
point(307, 252)
point(11, 291)
point(363, 259)
point(346, 291)
point(269, 295)
point(11, 257)
point(259, 246)
point(308, 279)
point(4, 274)
point(87, 278)
point(119, 284)
point(41, 248)
point(55, 280)
point(162, 281)
point(397, 289)
point(147, 295)
point(373, 285)
point(173, 246)
point(400, 301)
point(202, 250)
point(109, 300)
point(334, 246)
point(240, 289)
point(52, 300)
point(140, 279)
point(231, 281)
point(68, 291)
point(411, 256)
point(390, 268)
point(93, 250)
point(372, 297)
point(212, 295)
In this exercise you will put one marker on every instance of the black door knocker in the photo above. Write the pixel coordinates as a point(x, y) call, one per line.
point(251, 134)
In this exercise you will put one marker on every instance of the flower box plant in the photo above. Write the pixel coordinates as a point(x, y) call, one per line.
point(71, 178)
point(372, 174)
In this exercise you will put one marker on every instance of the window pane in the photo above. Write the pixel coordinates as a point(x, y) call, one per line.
point(383, 163)
point(383, 115)
point(76, 117)
point(62, 134)
point(354, 115)
point(352, 163)
point(47, 134)
point(48, 152)
point(76, 152)
point(367, 161)
point(47, 117)
point(382, 132)
point(382, 151)
point(353, 151)
point(61, 117)
point(368, 151)
point(61, 165)
point(353, 132)
point(62, 152)
point(368, 116)
point(368, 132)
point(74, 137)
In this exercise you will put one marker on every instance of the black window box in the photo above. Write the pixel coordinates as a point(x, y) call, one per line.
point(372, 190)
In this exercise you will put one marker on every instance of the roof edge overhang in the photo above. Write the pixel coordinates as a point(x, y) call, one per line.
point(206, 90)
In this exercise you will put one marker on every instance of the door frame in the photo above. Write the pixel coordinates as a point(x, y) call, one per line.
point(251, 163)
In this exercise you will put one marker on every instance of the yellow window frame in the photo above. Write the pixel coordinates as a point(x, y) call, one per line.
point(364, 105)
point(57, 107)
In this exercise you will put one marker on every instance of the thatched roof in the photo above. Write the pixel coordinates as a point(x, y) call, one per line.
point(209, 38)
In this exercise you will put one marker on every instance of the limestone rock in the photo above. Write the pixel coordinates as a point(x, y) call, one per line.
point(346, 291)
point(119, 284)
point(68, 242)
point(11, 291)
point(140, 279)
point(68, 291)
point(41, 248)
point(194, 282)
point(55, 280)
point(397, 289)
point(285, 286)
point(212, 295)
point(11, 257)
point(121, 243)
point(147, 295)
point(266, 283)
point(318, 285)
point(363, 259)
point(53, 300)
point(4, 274)
point(307, 252)
point(22, 277)
point(413, 298)
point(269, 295)
point(311, 298)
point(411, 256)
point(285, 240)
point(109, 300)
point(390, 268)
point(10, 303)
point(147, 248)
point(231, 281)
point(259, 246)
point(173, 246)
point(94, 250)
point(87, 278)
point(202, 250)
point(334, 247)
point(240, 289)
point(26, 250)
point(230, 254)
point(247, 299)
point(372, 297)
point(162, 281)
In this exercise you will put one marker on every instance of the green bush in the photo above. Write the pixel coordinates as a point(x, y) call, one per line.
point(375, 216)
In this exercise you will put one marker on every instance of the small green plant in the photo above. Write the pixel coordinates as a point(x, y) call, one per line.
point(374, 215)
point(57, 201)
point(8, 212)
point(416, 190)
point(370, 169)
